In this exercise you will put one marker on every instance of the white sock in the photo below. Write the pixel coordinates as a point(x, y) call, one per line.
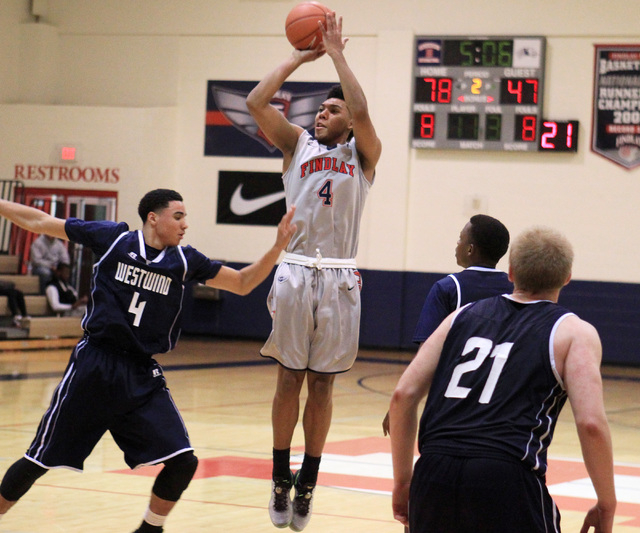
point(154, 519)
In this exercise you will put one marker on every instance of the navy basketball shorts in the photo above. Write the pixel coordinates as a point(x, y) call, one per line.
point(478, 495)
point(105, 391)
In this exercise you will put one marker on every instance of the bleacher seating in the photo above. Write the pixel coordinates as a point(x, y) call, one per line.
point(43, 324)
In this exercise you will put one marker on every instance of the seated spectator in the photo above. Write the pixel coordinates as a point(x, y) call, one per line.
point(62, 297)
point(46, 253)
point(15, 300)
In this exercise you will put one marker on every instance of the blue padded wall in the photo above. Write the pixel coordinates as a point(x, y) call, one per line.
point(392, 301)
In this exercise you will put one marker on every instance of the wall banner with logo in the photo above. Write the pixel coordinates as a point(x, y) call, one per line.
point(250, 198)
point(616, 104)
point(231, 131)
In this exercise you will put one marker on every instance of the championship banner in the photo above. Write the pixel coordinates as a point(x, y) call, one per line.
point(616, 104)
point(231, 131)
point(250, 198)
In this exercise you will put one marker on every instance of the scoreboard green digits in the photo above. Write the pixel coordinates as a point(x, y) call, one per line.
point(477, 93)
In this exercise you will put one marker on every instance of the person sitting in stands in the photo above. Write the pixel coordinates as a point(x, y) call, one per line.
point(62, 297)
point(15, 301)
point(46, 253)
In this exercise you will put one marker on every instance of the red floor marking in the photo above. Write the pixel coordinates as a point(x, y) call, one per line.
point(261, 469)
point(560, 471)
point(216, 466)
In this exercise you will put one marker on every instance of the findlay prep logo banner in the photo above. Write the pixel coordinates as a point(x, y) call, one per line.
point(231, 131)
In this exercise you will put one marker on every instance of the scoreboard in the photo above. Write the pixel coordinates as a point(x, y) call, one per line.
point(478, 93)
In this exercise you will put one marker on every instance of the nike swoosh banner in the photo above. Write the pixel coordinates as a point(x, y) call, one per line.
point(231, 131)
point(250, 198)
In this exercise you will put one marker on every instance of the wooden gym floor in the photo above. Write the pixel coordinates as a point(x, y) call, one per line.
point(224, 390)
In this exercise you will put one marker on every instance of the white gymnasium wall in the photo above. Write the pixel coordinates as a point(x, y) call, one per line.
point(126, 81)
point(137, 146)
point(11, 13)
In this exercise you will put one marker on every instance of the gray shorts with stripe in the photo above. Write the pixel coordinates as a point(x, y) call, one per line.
point(316, 318)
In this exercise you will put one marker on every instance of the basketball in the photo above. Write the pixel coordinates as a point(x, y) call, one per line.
point(301, 25)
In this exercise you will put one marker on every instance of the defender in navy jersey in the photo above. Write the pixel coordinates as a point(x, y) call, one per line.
point(497, 374)
point(457, 290)
point(112, 383)
point(482, 243)
point(315, 298)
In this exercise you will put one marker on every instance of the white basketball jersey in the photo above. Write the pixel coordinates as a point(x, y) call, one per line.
point(328, 188)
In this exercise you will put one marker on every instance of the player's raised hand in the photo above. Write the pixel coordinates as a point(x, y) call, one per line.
point(286, 229)
point(311, 54)
point(332, 40)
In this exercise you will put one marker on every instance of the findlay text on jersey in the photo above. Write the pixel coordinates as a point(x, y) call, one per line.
point(326, 163)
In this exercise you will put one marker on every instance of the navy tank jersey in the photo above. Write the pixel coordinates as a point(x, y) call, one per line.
point(136, 302)
point(456, 290)
point(495, 392)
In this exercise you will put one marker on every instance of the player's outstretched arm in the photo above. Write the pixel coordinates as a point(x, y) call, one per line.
point(33, 219)
point(243, 281)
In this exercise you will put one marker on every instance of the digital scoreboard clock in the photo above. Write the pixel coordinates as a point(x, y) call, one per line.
point(559, 136)
point(478, 93)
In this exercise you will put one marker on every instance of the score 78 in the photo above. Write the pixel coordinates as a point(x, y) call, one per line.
point(500, 353)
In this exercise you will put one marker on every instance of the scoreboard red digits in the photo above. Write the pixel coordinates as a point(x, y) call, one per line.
point(559, 136)
point(478, 93)
point(519, 91)
point(526, 128)
point(433, 90)
point(425, 123)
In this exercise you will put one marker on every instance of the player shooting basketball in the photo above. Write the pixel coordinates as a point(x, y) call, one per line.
point(315, 298)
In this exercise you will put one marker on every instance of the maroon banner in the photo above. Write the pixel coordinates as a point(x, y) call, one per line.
point(616, 104)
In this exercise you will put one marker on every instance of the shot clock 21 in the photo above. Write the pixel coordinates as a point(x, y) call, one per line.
point(559, 136)
point(478, 93)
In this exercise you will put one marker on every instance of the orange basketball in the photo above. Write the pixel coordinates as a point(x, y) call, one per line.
point(301, 25)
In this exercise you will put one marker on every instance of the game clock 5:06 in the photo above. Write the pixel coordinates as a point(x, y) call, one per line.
point(478, 93)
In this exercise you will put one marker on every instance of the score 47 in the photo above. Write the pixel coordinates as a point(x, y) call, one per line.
point(519, 91)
